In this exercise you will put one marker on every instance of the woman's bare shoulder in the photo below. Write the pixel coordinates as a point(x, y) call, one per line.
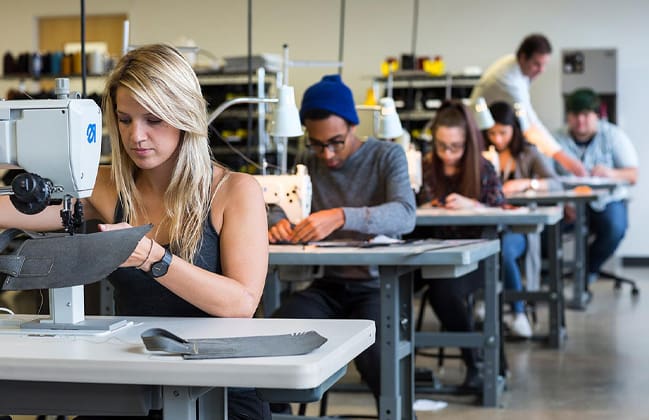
point(233, 183)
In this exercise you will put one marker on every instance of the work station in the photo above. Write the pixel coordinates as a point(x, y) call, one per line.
point(322, 209)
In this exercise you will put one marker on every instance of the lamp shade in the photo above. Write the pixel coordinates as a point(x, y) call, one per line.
point(286, 118)
point(483, 117)
point(387, 123)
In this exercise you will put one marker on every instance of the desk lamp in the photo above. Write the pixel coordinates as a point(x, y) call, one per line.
point(286, 119)
point(388, 126)
point(485, 121)
point(386, 120)
point(482, 115)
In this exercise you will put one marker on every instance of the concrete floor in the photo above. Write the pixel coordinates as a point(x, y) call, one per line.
point(602, 373)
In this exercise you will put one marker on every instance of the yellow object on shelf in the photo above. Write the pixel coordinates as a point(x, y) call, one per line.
point(370, 98)
point(388, 66)
point(436, 67)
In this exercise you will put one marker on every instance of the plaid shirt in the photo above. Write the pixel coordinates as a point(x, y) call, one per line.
point(491, 194)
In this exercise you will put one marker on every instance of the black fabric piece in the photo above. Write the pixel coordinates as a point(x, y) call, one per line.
point(159, 339)
point(54, 260)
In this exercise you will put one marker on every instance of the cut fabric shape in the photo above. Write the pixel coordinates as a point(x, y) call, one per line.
point(53, 260)
point(161, 340)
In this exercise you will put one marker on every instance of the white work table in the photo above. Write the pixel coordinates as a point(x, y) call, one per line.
point(396, 326)
point(66, 375)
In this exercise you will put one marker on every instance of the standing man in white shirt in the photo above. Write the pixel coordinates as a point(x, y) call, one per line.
point(508, 80)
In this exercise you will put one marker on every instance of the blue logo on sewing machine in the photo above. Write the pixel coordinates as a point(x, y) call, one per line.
point(91, 133)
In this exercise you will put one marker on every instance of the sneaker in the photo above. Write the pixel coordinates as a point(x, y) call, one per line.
point(521, 327)
point(473, 380)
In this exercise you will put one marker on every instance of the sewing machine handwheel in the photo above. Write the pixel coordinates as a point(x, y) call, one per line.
point(31, 193)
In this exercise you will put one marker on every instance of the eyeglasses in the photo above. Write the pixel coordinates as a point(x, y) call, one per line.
point(334, 145)
point(453, 148)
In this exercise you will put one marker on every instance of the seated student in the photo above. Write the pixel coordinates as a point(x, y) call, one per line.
point(360, 189)
point(605, 151)
point(456, 176)
point(522, 167)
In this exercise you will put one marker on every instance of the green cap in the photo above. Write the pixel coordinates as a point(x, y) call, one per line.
point(582, 100)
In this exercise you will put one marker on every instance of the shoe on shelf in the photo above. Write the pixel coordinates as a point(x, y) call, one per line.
point(520, 326)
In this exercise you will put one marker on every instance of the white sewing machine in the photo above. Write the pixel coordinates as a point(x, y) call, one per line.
point(58, 143)
point(290, 192)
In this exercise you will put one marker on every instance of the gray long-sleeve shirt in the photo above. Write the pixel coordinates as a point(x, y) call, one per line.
point(373, 189)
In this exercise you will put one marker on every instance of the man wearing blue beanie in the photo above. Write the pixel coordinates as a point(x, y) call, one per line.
point(360, 190)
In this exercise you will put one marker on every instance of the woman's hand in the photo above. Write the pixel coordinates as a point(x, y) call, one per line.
point(457, 202)
point(516, 185)
point(141, 255)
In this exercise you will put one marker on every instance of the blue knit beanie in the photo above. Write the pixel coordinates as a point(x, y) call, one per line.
point(330, 94)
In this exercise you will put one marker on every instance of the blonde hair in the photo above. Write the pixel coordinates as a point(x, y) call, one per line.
point(164, 83)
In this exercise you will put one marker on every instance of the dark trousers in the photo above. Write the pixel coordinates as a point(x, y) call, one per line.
point(448, 297)
point(341, 299)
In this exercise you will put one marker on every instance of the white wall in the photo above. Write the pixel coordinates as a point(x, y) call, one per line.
point(464, 32)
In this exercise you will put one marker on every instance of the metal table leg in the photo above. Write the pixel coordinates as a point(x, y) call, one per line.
point(397, 347)
point(556, 304)
point(492, 383)
point(179, 403)
point(579, 296)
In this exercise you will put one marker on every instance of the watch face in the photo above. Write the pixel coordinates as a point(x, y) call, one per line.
point(159, 269)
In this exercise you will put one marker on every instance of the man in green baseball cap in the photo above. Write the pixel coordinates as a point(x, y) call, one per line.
point(605, 151)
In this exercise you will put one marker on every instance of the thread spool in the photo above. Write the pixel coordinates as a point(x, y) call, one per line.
point(96, 63)
point(56, 59)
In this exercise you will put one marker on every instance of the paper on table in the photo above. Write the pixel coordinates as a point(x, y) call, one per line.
point(375, 241)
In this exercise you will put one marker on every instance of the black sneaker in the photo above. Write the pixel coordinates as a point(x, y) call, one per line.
point(473, 381)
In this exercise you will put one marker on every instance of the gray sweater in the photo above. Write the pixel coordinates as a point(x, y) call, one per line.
point(530, 163)
point(373, 189)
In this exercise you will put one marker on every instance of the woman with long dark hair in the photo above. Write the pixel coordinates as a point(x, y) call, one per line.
point(522, 167)
point(456, 176)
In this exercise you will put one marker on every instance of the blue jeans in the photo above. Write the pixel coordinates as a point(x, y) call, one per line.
point(513, 247)
point(609, 227)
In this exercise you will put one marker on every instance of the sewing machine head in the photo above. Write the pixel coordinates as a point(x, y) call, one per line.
point(290, 192)
point(58, 143)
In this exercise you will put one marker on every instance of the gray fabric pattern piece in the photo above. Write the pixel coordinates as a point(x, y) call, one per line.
point(161, 340)
point(53, 260)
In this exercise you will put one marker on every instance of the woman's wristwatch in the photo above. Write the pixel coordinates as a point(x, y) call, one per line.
point(534, 184)
point(160, 268)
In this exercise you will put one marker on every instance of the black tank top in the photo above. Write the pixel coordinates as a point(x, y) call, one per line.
point(138, 294)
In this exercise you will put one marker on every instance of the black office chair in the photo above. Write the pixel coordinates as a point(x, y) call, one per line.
point(605, 275)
